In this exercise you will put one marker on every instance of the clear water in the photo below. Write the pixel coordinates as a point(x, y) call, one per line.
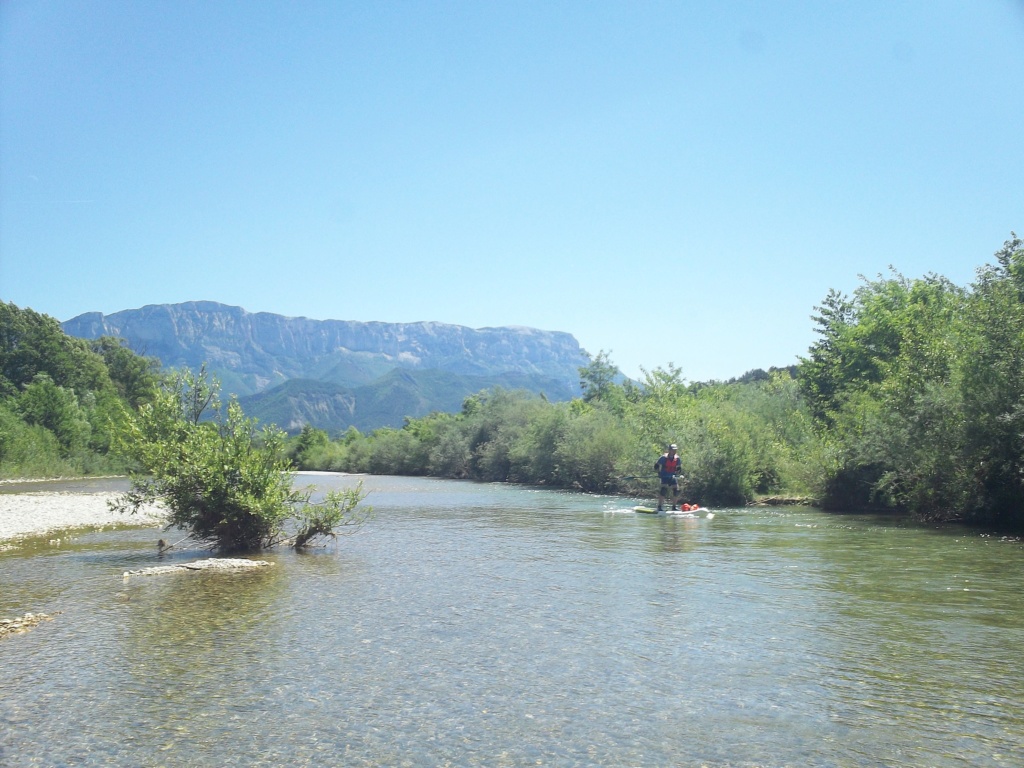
point(492, 625)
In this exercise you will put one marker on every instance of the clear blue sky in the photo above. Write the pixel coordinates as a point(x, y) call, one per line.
point(673, 182)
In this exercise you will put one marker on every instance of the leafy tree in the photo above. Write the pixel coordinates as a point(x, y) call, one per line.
point(221, 479)
point(29, 450)
point(826, 373)
point(55, 408)
point(498, 420)
point(60, 388)
point(395, 452)
point(535, 456)
point(589, 450)
point(135, 377)
point(990, 379)
point(451, 454)
point(597, 378)
point(918, 388)
point(784, 438)
point(309, 442)
point(31, 343)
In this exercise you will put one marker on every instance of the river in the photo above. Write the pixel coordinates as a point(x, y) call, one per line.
point(471, 624)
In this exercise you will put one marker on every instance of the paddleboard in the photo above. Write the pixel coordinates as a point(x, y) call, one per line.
point(676, 512)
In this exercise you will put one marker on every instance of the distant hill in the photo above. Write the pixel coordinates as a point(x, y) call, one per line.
point(335, 373)
point(398, 394)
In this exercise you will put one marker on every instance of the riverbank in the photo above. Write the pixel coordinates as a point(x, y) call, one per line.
point(58, 479)
point(38, 513)
point(35, 506)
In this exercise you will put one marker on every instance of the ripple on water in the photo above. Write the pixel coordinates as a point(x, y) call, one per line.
point(488, 625)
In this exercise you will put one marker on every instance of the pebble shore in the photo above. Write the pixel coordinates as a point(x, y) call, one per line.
point(30, 508)
point(38, 513)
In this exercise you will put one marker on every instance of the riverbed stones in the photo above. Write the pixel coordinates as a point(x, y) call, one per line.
point(22, 624)
point(210, 564)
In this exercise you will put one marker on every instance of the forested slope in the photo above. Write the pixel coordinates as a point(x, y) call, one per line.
point(61, 398)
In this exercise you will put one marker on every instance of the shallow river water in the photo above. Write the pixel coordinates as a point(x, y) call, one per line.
point(495, 625)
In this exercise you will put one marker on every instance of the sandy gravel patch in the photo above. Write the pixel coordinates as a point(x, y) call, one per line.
point(36, 510)
point(209, 564)
point(27, 514)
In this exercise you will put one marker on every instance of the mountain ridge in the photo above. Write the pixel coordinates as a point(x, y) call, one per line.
point(254, 352)
point(387, 402)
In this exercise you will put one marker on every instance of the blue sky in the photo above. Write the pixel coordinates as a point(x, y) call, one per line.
point(672, 182)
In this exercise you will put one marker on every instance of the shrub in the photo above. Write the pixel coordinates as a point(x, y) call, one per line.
point(221, 480)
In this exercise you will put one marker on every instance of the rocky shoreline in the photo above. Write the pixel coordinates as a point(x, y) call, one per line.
point(36, 507)
point(38, 513)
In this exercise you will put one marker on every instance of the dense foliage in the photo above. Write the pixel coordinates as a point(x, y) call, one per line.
point(736, 440)
point(912, 399)
point(61, 398)
point(222, 480)
point(918, 386)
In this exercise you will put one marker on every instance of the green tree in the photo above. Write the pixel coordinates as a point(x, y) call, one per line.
point(29, 450)
point(31, 343)
point(451, 454)
point(222, 480)
point(59, 386)
point(589, 449)
point(394, 452)
point(990, 380)
point(597, 378)
point(311, 441)
point(134, 376)
point(55, 408)
point(535, 456)
point(918, 390)
point(831, 365)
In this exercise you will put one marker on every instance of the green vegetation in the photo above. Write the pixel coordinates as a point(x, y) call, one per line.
point(221, 479)
point(918, 390)
point(61, 398)
point(912, 400)
point(386, 401)
point(736, 440)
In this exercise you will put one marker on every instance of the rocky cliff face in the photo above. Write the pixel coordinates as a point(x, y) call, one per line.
point(251, 352)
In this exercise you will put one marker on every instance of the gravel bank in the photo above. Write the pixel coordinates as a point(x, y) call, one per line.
point(29, 514)
point(33, 507)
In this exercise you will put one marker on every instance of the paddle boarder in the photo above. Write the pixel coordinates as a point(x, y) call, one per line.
point(668, 466)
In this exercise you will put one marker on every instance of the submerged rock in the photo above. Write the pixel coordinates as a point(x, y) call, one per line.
point(23, 624)
point(210, 564)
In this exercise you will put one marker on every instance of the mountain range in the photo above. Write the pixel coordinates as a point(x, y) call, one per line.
point(333, 374)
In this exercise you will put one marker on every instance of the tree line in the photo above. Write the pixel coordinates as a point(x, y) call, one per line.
point(911, 399)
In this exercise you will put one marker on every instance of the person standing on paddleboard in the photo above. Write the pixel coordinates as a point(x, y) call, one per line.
point(668, 466)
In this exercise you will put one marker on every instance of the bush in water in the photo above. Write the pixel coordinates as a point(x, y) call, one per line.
point(221, 479)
